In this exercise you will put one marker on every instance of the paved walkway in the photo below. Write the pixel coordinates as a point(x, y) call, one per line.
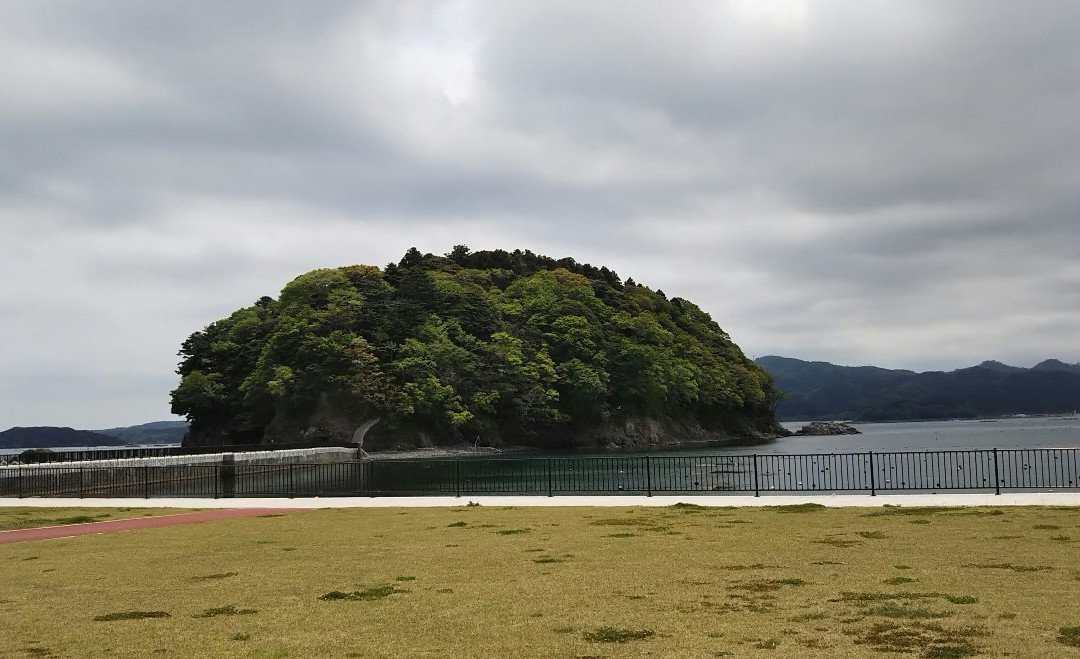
point(111, 526)
point(831, 500)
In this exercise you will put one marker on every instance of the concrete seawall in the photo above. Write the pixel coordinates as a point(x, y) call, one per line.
point(207, 475)
point(287, 456)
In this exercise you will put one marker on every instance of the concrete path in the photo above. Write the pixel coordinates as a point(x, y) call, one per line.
point(112, 526)
point(831, 500)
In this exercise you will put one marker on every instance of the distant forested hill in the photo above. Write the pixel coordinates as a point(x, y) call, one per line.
point(49, 437)
point(157, 432)
point(819, 390)
point(491, 348)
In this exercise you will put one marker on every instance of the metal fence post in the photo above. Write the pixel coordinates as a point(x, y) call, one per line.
point(20, 482)
point(648, 475)
point(292, 489)
point(757, 486)
point(228, 475)
point(873, 488)
point(457, 477)
point(146, 481)
point(80, 481)
point(997, 477)
point(550, 492)
point(217, 481)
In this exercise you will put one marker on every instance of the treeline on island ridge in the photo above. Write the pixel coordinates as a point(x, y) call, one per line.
point(490, 348)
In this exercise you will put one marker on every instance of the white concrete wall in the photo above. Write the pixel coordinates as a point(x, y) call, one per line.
point(294, 456)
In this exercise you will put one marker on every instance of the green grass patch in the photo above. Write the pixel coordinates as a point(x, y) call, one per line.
point(1011, 567)
point(214, 577)
point(512, 531)
point(961, 599)
point(929, 639)
point(799, 508)
point(131, 615)
point(896, 581)
point(1069, 636)
point(365, 595)
point(616, 635)
point(900, 611)
point(903, 511)
point(228, 610)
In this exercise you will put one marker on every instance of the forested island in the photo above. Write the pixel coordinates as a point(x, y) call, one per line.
point(490, 348)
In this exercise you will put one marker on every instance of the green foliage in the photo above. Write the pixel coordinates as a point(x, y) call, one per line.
point(475, 346)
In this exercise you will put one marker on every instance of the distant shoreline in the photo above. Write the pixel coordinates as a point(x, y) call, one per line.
point(1006, 417)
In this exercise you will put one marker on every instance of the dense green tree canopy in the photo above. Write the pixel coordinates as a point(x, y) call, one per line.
point(496, 347)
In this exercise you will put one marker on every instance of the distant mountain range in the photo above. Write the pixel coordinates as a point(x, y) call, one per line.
point(820, 390)
point(158, 432)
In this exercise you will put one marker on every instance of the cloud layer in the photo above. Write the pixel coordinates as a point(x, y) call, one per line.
point(867, 181)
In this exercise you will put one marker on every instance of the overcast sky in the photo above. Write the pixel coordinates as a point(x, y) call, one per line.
point(862, 182)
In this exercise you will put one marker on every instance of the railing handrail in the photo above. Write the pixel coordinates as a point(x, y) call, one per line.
point(870, 472)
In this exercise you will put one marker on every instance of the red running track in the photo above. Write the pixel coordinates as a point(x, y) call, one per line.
point(110, 526)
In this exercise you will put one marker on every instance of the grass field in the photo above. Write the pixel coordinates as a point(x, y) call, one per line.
point(557, 582)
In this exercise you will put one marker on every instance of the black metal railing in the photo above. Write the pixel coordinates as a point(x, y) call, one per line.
point(871, 472)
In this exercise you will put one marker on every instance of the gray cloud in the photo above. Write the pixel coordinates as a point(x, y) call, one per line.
point(865, 182)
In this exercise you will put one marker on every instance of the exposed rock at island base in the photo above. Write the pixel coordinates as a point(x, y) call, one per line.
point(828, 428)
point(636, 433)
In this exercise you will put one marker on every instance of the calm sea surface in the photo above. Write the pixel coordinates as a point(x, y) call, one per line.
point(1025, 432)
point(1013, 433)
